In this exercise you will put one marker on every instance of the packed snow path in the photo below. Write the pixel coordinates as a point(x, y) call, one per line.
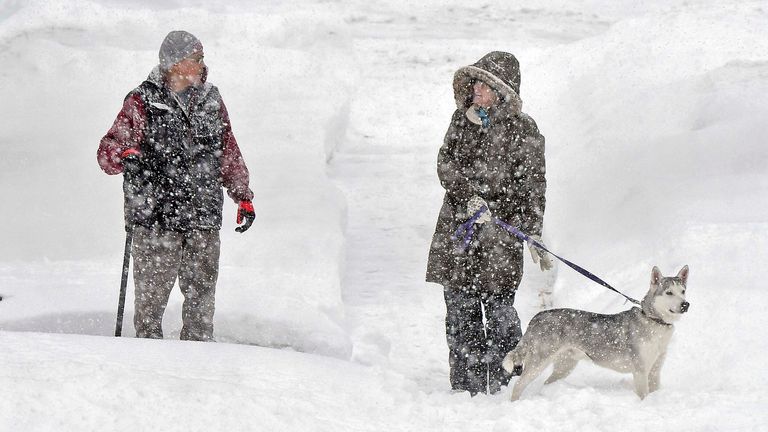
point(386, 167)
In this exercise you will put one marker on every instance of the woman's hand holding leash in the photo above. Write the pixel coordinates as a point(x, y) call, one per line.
point(474, 205)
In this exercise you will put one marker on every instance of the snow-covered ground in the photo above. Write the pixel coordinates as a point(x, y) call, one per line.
point(654, 116)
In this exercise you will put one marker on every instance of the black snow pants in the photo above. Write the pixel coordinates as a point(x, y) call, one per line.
point(477, 348)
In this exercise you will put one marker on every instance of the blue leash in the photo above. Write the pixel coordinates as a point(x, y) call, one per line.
point(468, 229)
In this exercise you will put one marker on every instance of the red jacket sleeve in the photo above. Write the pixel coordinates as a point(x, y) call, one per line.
point(126, 132)
point(234, 173)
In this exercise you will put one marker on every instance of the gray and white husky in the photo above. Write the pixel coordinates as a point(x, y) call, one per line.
point(633, 341)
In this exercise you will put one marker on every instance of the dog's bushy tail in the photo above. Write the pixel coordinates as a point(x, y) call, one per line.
point(513, 362)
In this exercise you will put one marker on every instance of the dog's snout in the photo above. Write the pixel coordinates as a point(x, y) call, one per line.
point(684, 306)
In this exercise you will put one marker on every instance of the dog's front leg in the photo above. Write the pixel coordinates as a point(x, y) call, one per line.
point(641, 382)
point(531, 369)
point(654, 378)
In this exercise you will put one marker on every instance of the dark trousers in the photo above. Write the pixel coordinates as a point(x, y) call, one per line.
point(477, 348)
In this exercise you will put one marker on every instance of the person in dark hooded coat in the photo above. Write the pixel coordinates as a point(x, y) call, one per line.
point(492, 158)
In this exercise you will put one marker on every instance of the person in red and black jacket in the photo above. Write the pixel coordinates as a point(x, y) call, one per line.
point(174, 144)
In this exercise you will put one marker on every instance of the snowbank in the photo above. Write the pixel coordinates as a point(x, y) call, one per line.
point(657, 156)
point(655, 131)
point(96, 384)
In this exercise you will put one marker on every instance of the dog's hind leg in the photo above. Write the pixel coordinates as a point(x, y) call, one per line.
point(564, 364)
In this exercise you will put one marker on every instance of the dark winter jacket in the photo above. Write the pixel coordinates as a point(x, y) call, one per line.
point(187, 153)
point(503, 164)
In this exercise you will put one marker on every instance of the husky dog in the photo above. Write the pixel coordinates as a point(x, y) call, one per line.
point(633, 341)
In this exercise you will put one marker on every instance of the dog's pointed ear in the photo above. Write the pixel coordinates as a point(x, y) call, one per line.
point(683, 274)
point(655, 276)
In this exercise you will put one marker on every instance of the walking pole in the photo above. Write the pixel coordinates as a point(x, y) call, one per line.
point(124, 281)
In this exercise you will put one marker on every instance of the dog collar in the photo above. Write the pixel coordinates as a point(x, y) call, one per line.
point(654, 319)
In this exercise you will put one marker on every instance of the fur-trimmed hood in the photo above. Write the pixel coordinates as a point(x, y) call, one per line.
point(499, 70)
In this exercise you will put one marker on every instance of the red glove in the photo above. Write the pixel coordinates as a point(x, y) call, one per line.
point(130, 152)
point(131, 163)
point(245, 210)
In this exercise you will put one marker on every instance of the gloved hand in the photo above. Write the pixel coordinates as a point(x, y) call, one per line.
point(134, 187)
point(245, 210)
point(131, 163)
point(476, 203)
point(539, 256)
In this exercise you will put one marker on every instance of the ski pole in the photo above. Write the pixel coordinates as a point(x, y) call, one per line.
point(124, 281)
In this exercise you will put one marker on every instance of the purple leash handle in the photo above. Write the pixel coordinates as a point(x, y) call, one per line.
point(467, 229)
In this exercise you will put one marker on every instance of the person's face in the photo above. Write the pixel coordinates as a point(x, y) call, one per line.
point(189, 70)
point(483, 95)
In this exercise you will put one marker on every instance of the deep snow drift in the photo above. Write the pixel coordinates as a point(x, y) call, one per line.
point(654, 119)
